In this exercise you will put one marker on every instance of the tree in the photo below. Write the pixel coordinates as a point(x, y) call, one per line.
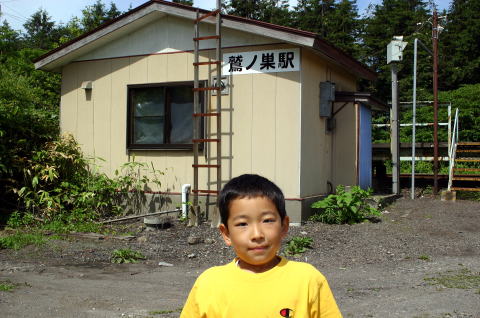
point(9, 41)
point(271, 11)
point(96, 14)
point(460, 45)
point(39, 29)
point(388, 19)
point(335, 21)
point(186, 2)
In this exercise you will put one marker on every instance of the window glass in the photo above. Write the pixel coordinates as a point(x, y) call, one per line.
point(160, 116)
point(181, 115)
point(149, 108)
point(148, 130)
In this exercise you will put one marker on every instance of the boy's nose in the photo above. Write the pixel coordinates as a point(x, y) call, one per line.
point(257, 233)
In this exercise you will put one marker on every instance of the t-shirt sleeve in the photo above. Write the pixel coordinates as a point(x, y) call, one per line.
point(324, 305)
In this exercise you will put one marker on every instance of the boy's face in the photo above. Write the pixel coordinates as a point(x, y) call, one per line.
point(255, 231)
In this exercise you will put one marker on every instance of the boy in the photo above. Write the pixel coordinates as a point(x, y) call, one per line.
point(258, 282)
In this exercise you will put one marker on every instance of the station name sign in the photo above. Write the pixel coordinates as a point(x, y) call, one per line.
point(267, 61)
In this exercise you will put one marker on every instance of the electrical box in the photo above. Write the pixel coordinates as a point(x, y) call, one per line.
point(327, 97)
point(395, 49)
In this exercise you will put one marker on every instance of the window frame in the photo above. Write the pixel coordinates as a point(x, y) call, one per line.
point(167, 123)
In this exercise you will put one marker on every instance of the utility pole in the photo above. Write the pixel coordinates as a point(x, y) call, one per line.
point(394, 55)
point(435, 100)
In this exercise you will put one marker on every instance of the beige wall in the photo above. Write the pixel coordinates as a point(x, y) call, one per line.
point(260, 119)
point(325, 156)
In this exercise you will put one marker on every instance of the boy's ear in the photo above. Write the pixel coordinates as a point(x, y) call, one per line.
point(225, 234)
point(285, 226)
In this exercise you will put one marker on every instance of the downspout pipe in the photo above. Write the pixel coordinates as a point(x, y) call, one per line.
point(185, 192)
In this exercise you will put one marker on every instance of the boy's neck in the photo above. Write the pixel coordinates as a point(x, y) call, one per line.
point(257, 269)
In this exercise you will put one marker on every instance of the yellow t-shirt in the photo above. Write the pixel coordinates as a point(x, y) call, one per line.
point(290, 289)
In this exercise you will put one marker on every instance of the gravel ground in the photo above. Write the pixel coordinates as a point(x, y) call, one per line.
point(422, 260)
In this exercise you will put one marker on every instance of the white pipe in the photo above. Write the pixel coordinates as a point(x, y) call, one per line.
point(185, 191)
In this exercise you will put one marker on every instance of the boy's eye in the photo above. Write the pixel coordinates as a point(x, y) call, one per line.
point(269, 220)
point(241, 224)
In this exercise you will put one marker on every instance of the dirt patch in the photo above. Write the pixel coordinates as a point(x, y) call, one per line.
point(421, 260)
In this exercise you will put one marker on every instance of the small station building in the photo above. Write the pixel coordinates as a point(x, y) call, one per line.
point(290, 108)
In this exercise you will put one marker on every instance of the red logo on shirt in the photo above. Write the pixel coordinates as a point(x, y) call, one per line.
point(285, 312)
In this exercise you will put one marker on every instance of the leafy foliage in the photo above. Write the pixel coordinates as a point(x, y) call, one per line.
point(344, 207)
point(126, 255)
point(63, 187)
point(298, 244)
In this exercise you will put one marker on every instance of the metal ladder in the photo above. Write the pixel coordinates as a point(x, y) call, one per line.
point(198, 115)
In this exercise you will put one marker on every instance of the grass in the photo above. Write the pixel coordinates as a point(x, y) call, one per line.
point(461, 279)
point(20, 239)
point(424, 257)
point(164, 312)
point(6, 286)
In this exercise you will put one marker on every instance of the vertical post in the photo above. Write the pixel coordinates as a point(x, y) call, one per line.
point(414, 113)
point(219, 97)
point(394, 143)
point(196, 126)
point(435, 101)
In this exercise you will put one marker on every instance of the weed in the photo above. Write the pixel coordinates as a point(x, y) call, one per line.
point(461, 279)
point(164, 312)
point(126, 255)
point(19, 240)
point(6, 286)
point(344, 207)
point(424, 258)
point(297, 245)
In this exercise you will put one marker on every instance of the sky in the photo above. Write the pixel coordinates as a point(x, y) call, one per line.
point(16, 12)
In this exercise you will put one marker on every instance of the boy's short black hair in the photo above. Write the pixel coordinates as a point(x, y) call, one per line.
point(250, 186)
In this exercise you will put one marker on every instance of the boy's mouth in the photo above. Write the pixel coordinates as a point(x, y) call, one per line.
point(258, 248)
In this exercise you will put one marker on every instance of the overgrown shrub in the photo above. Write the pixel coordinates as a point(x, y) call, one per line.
point(63, 187)
point(344, 207)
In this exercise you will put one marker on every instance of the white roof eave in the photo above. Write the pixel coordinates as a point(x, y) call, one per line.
point(55, 61)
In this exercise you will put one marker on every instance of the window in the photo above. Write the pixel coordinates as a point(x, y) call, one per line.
point(160, 116)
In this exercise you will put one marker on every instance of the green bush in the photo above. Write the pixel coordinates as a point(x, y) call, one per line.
point(61, 186)
point(344, 207)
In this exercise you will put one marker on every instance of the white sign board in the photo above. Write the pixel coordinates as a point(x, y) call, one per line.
point(267, 61)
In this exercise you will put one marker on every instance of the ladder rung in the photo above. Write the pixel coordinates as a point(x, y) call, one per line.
point(468, 150)
point(206, 166)
point(206, 115)
point(207, 63)
point(468, 143)
point(467, 159)
point(212, 13)
point(466, 169)
point(200, 89)
point(205, 191)
point(466, 178)
point(464, 189)
point(205, 140)
point(210, 37)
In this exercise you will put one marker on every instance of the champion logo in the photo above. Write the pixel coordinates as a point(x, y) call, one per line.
point(286, 312)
